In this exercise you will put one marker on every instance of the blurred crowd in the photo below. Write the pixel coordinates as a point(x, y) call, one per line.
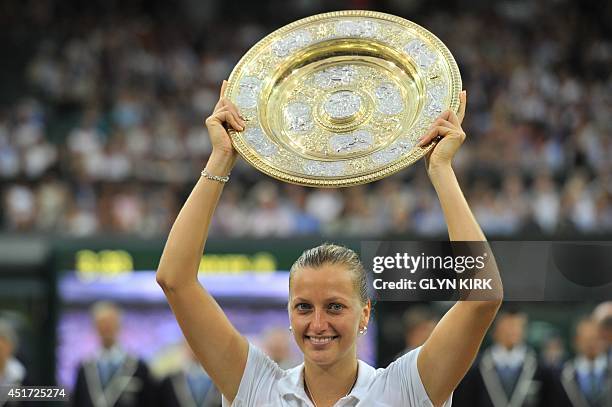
point(507, 372)
point(511, 372)
point(108, 137)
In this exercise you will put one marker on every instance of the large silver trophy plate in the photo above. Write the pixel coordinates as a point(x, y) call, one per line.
point(341, 98)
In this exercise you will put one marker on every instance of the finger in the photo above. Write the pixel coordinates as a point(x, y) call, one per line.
point(220, 109)
point(439, 122)
point(435, 132)
point(221, 93)
point(462, 104)
point(229, 107)
point(445, 115)
point(442, 122)
point(239, 120)
point(233, 121)
point(233, 108)
point(219, 104)
point(457, 118)
point(223, 87)
point(225, 116)
point(225, 104)
point(432, 134)
point(454, 120)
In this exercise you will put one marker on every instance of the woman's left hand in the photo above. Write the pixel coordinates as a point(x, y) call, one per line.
point(448, 127)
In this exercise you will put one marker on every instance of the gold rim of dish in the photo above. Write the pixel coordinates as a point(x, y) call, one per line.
point(404, 161)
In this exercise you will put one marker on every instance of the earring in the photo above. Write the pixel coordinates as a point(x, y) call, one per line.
point(363, 330)
point(290, 328)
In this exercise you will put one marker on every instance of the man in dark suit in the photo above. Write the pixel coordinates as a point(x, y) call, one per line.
point(508, 373)
point(112, 377)
point(189, 387)
point(419, 322)
point(603, 315)
point(586, 380)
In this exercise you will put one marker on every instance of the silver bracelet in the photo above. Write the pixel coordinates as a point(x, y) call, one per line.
point(218, 178)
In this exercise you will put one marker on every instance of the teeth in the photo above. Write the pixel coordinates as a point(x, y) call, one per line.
point(321, 339)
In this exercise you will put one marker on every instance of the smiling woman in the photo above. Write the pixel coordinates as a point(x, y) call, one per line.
point(328, 304)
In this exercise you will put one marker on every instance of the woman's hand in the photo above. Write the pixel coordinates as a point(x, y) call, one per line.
point(225, 115)
point(448, 128)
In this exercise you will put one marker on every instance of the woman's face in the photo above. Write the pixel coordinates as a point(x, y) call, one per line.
point(325, 313)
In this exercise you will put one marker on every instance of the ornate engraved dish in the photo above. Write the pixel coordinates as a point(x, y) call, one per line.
point(341, 98)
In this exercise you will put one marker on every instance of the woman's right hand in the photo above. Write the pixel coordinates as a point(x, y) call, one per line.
point(225, 115)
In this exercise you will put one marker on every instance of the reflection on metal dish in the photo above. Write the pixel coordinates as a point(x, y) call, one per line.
point(341, 98)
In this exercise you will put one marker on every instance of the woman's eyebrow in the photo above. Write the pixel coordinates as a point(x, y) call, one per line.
point(329, 299)
point(336, 299)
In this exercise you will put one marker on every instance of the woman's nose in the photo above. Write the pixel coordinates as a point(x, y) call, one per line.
point(319, 322)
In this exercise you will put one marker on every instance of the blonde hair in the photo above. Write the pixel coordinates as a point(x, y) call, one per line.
point(329, 253)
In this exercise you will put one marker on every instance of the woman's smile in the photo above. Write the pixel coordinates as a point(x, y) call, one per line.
point(321, 341)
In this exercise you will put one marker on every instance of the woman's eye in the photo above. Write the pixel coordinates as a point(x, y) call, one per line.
point(302, 307)
point(336, 307)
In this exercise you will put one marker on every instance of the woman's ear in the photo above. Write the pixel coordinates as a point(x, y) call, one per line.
point(367, 309)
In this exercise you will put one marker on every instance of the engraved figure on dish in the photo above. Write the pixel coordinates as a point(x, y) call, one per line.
point(298, 116)
point(359, 140)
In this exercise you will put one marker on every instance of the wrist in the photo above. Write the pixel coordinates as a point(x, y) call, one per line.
point(220, 163)
point(440, 172)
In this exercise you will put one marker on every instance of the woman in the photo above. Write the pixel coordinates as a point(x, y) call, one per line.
point(328, 306)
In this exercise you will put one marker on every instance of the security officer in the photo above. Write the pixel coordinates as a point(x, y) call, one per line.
point(508, 373)
point(112, 377)
point(586, 380)
point(190, 386)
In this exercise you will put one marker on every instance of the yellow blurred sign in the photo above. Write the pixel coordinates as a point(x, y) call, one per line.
point(109, 264)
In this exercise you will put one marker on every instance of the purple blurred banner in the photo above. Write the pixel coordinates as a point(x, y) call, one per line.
point(141, 287)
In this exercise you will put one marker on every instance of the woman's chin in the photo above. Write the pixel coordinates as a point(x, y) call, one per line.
point(322, 357)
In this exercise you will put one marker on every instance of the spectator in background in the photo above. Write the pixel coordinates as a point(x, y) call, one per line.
point(270, 215)
point(112, 377)
point(12, 372)
point(188, 387)
point(419, 322)
point(553, 354)
point(115, 101)
point(20, 207)
point(603, 315)
point(508, 372)
point(586, 380)
point(276, 344)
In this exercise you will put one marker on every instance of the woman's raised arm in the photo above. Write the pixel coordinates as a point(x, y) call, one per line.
point(450, 350)
point(214, 340)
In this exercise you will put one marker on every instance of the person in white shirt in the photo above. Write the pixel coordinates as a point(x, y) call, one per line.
point(328, 305)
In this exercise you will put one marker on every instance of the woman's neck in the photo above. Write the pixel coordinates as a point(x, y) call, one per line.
point(325, 385)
